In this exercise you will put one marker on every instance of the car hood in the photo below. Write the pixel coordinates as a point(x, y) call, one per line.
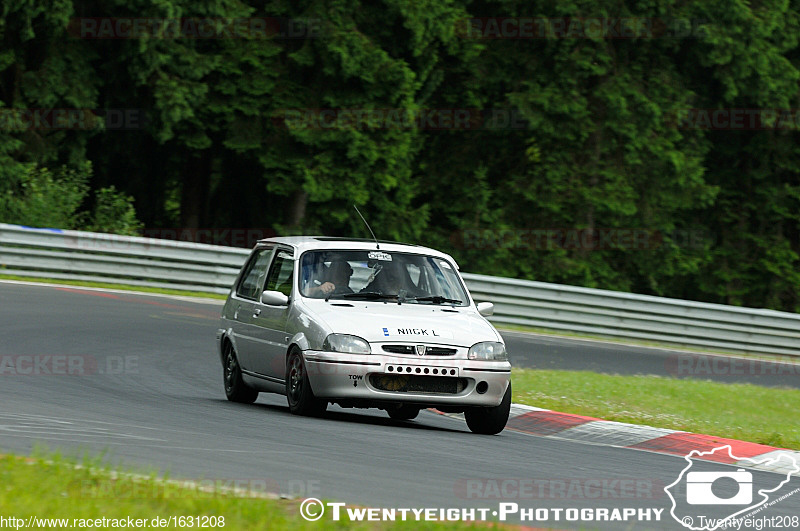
point(380, 323)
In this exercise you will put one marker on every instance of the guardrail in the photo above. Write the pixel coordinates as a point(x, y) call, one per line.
point(641, 317)
point(65, 254)
point(136, 261)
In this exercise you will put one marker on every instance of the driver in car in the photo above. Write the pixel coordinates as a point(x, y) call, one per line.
point(337, 283)
point(390, 280)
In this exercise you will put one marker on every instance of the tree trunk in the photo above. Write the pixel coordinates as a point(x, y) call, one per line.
point(297, 209)
point(194, 195)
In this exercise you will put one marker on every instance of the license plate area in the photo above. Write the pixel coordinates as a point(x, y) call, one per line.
point(421, 370)
point(414, 383)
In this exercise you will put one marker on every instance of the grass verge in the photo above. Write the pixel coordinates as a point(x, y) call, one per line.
point(51, 486)
point(765, 415)
point(109, 285)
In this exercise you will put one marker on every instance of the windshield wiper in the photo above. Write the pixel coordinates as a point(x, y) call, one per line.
point(436, 299)
point(369, 295)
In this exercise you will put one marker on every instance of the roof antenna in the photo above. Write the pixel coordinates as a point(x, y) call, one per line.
point(377, 245)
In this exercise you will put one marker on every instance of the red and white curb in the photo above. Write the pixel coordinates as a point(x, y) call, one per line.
point(589, 430)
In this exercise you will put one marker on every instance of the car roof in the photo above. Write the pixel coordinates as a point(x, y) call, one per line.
point(322, 243)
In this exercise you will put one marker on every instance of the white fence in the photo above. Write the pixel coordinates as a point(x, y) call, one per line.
point(208, 268)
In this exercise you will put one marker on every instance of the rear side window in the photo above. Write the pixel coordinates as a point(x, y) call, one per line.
point(254, 274)
point(280, 274)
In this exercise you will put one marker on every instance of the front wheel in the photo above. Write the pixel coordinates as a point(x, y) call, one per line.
point(489, 420)
point(235, 389)
point(298, 389)
point(403, 412)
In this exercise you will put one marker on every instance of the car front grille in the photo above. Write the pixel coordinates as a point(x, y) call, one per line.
point(411, 349)
point(410, 383)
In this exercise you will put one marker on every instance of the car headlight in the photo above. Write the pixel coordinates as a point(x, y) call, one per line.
point(346, 343)
point(489, 351)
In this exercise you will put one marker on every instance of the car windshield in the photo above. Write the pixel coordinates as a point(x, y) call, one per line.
point(380, 275)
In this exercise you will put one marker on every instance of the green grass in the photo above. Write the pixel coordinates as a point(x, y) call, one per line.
point(110, 285)
point(737, 411)
point(51, 486)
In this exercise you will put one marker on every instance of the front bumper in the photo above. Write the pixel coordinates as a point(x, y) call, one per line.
point(385, 378)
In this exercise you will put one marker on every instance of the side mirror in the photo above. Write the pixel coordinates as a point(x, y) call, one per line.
point(485, 308)
point(274, 298)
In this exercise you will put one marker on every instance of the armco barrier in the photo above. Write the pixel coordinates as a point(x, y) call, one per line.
point(151, 262)
point(640, 317)
point(208, 268)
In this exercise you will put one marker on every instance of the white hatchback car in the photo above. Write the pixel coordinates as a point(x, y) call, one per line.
point(362, 324)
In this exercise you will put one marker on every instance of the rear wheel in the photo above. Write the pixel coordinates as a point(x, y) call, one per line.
point(403, 412)
point(298, 389)
point(235, 389)
point(489, 420)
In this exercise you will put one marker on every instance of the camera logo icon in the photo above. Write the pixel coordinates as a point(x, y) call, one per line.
point(700, 488)
point(729, 493)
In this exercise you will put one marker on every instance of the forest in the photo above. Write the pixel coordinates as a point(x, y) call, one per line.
point(648, 146)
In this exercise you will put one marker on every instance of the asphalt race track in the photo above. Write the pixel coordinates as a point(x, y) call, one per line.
point(138, 376)
point(548, 352)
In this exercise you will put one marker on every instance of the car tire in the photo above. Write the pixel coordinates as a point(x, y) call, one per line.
point(489, 420)
point(298, 389)
point(235, 389)
point(403, 412)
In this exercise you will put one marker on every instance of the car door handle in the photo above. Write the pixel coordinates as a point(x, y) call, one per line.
point(256, 312)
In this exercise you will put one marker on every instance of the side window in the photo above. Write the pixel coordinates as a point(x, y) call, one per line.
point(280, 274)
point(254, 274)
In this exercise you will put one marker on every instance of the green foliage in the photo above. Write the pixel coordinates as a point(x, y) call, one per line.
point(114, 212)
point(233, 134)
point(45, 199)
